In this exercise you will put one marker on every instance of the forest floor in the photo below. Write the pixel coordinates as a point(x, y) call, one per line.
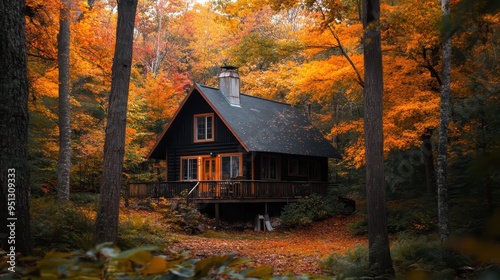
point(290, 252)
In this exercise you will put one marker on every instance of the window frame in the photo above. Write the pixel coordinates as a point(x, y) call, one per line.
point(188, 158)
point(195, 127)
point(240, 163)
point(267, 166)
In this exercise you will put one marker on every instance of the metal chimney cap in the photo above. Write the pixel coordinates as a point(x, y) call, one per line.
point(229, 67)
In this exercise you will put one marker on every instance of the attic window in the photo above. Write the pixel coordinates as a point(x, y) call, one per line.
point(204, 128)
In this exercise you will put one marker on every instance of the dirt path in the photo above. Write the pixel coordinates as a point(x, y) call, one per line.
point(294, 252)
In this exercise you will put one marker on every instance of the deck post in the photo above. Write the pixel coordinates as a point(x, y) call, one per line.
point(217, 217)
point(265, 208)
point(127, 194)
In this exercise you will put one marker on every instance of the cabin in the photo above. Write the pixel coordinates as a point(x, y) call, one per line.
point(223, 146)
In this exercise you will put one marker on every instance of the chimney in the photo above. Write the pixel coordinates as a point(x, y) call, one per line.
point(229, 83)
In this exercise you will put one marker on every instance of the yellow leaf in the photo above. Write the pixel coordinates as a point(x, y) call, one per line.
point(141, 257)
point(155, 266)
point(53, 254)
point(260, 272)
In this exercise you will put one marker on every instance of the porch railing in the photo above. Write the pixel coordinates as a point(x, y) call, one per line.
point(227, 189)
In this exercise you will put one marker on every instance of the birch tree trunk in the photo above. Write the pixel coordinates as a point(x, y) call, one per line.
point(14, 172)
point(379, 253)
point(63, 45)
point(442, 190)
point(106, 227)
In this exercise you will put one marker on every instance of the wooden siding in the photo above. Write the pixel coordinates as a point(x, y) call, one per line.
point(284, 160)
point(181, 131)
point(174, 154)
point(180, 137)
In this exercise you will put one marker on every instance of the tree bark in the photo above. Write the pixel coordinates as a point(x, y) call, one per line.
point(444, 119)
point(426, 149)
point(63, 45)
point(14, 172)
point(106, 228)
point(379, 253)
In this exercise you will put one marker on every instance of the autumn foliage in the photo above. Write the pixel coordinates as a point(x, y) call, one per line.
point(307, 53)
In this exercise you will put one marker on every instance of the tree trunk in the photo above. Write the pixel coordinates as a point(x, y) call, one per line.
point(426, 149)
point(14, 173)
point(379, 253)
point(106, 228)
point(63, 45)
point(443, 213)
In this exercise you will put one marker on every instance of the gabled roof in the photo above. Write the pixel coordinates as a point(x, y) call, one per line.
point(262, 125)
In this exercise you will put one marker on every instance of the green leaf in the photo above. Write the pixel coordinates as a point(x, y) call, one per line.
point(109, 252)
point(103, 245)
point(184, 272)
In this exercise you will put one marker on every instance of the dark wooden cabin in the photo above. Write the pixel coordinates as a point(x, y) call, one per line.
point(224, 146)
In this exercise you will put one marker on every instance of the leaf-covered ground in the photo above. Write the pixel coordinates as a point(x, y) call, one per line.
point(294, 252)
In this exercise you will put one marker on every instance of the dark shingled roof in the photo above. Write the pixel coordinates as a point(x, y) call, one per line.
point(263, 125)
point(268, 126)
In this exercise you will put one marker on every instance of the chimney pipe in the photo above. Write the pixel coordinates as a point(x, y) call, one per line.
point(229, 84)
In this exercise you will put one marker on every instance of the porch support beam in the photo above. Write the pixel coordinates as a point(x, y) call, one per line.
point(217, 216)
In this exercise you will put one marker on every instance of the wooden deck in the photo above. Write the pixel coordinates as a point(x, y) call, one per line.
point(228, 191)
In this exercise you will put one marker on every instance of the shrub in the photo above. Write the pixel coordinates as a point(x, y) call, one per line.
point(60, 225)
point(412, 253)
point(185, 215)
point(66, 226)
point(312, 208)
point(84, 198)
point(305, 211)
point(360, 227)
point(354, 263)
point(416, 220)
point(135, 230)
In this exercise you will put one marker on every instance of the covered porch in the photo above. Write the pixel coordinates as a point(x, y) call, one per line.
point(228, 191)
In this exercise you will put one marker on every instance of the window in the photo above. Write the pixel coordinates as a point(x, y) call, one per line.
point(204, 127)
point(189, 169)
point(231, 166)
point(314, 170)
point(270, 168)
point(297, 167)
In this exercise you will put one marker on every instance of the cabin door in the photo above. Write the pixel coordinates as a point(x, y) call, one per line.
point(209, 173)
point(209, 169)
